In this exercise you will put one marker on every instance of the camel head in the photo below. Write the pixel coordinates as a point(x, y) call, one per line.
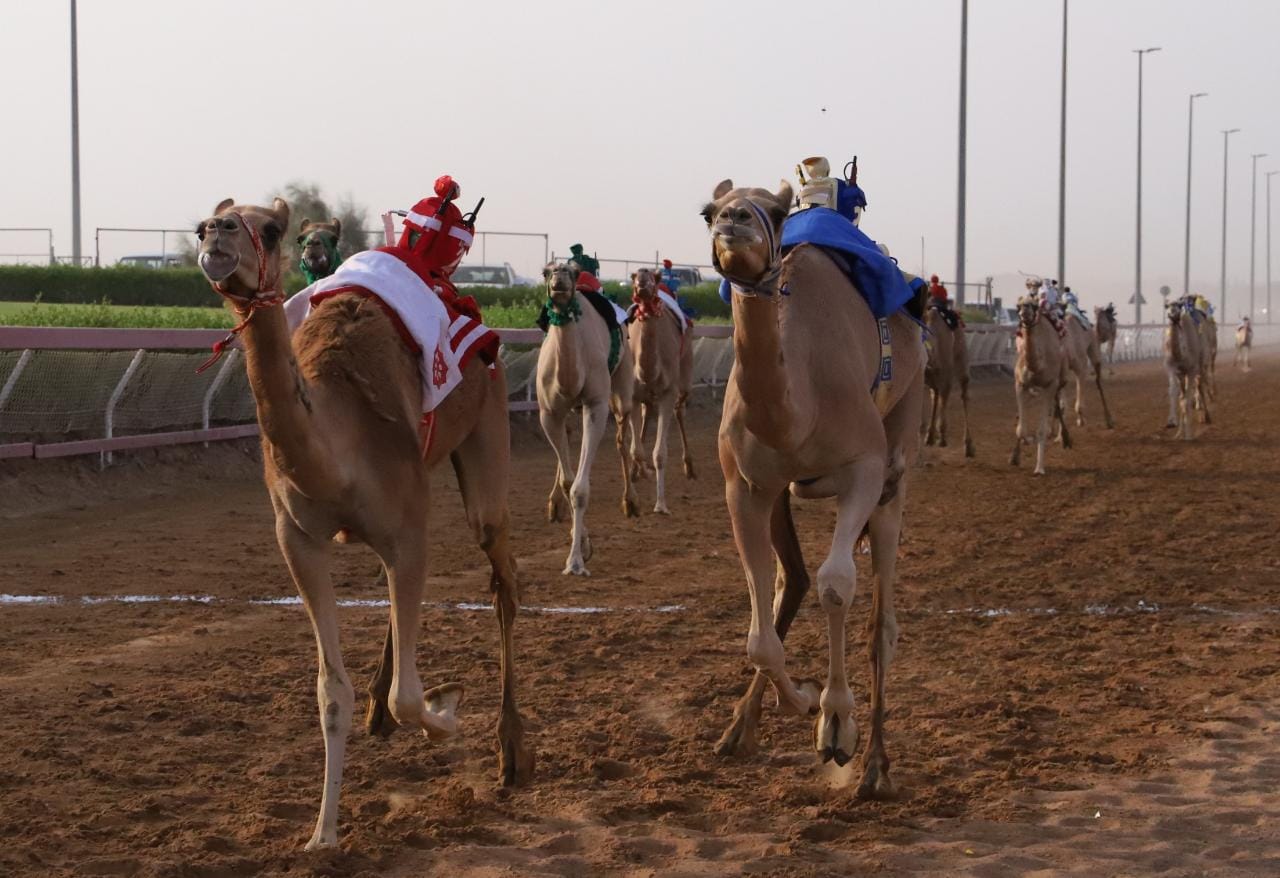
point(318, 246)
point(746, 231)
point(1028, 309)
point(240, 248)
point(644, 285)
point(561, 281)
point(1173, 310)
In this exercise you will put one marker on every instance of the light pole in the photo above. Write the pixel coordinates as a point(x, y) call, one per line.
point(1062, 160)
point(1186, 247)
point(1222, 294)
point(1269, 175)
point(75, 142)
point(964, 89)
point(1253, 225)
point(1137, 265)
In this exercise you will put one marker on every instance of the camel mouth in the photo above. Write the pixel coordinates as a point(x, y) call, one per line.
point(316, 261)
point(218, 266)
point(734, 236)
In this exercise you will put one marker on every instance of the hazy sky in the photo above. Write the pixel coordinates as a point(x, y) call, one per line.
point(611, 123)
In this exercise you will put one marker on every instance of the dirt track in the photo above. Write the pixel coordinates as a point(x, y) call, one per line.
point(1131, 731)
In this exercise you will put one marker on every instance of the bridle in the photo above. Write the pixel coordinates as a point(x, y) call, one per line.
point(766, 285)
point(650, 304)
point(245, 307)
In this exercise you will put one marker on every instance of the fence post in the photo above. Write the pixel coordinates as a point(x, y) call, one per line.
point(224, 372)
point(12, 381)
point(106, 457)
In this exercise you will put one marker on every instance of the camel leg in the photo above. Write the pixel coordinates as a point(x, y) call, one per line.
point(686, 457)
point(1204, 400)
point(969, 450)
point(594, 416)
point(639, 426)
point(1079, 407)
point(750, 511)
point(1048, 403)
point(554, 427)
point(835, 732)
point(1020, 428)
point(630, 501)
point(406, 561)
point(308, 562)
point(944, 397)
point(882, 639)
point(1060, 412)
point(377, 718)
point(791, 583)
point(482, 463)
point(660, 453)
point(1106, 410)
point(935, 399)
point(1175, 395)
point(1185, 393)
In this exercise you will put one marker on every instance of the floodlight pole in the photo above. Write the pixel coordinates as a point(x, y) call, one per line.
point(1253, 226)
point(1137, 262)
point(964, 89)
point(75, 142)
point(1222, 288)
point(1186, 246)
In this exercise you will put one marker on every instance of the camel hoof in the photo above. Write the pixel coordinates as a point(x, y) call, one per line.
point(661, 509)
point(1014, 460)
point(444, 701)
point(835, 737)
point(378, 721)
point(575, 567)
point(515, 757)
point(876, 784)
point(688, 470)
point(742, 738)
point(321, 842)
point(942, 443)
point(630, 508)
point(812, 690)
point(1171, 425)
point(555, 510)
point(969, 450)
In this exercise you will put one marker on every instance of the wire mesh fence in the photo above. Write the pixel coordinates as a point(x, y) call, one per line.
point(92, 391)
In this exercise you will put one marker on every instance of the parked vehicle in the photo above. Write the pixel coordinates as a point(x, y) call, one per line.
point(152, 260)
point(489, 276)
point(688, 276)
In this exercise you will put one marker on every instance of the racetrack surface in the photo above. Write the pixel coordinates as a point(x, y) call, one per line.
point(1086, 682)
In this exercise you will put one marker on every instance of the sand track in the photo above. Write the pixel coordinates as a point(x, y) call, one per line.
point(1086, 682)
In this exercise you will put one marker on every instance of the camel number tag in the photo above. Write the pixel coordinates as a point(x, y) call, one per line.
point(884, 378)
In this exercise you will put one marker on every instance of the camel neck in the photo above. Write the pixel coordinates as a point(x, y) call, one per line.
point(761, 370)
point(283, 397)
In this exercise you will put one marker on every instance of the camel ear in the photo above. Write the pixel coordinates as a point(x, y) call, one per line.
point(785, 194)
point(280, 210)
point(337, 226)
point(302, 229)
point(722, 189)
point(546, 271)
point(223, 205)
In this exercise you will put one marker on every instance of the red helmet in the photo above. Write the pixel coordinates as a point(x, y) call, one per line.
point(933, 278)
point(435, 231)
point(666, 263)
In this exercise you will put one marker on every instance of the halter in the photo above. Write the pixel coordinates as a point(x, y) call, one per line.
point(262, 297)
point(648, 307)
point(767, 284)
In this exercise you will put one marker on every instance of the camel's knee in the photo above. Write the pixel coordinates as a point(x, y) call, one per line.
point(764, 650)
point(337, 698)
point(837, 579)
point(882, 638)
point(579, 496)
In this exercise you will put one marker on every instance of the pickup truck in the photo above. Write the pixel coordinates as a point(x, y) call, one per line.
point(489, 276)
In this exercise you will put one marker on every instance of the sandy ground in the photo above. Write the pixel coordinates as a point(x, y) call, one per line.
point(1086, 682)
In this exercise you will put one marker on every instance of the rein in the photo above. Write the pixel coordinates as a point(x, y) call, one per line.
point(766, 285)
point(245, 307)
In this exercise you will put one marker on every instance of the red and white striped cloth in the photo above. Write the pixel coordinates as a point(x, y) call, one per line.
point(446, 339)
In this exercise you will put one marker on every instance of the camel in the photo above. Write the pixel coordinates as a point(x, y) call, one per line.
point(1083, 353)
point(663, 354)
point(948, 365)
point(1039, 374)
point(1244, 343)
point(318, 248)
point(804, 413)
point(1184, 364)
point(1208, 329)
point(1105, 329)
point(573, 370)
point(339, 406)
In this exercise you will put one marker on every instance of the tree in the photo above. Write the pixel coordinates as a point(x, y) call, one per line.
point(306, 201)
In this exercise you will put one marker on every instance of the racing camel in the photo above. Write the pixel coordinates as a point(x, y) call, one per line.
point(800, 417)
point(1039, 374)
point(339, 406)
point(1184, 364)
point(948, 367)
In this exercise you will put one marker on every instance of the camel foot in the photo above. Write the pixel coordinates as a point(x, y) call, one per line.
point(942, 443)
point(577, 564)
point(1111, 425)
point(630, 507)
point(688, 470)
point(1171, 425)
point(515, 757)
point(742, 738)
point(440, 720)
point(969, 450)
point(557, 508)
point(1015, 459)
point(835, 737)
point(321, 841)
point(931, 440)
point(810, 693)
point(876, 783)
point(378, 721)
point(661, 509)
point(1038, 471)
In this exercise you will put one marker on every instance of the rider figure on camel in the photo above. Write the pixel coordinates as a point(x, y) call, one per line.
point(938, 301)
point(588, 284)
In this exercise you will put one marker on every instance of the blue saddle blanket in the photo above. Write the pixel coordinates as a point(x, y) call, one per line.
point(875, 275)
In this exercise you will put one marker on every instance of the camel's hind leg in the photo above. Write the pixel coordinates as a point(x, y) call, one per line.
point(1175, 395)
point(882, 639)
point(308, 561)
point(639, 427)
point(935, 405)
point(1106, 410)
point(686, 457)
point(377, 717)
point(555, 428)
point(791, 583)
point(630, 500)
point(860, 486)
point(482, 463)
point(969, 449)
point(1079, 407)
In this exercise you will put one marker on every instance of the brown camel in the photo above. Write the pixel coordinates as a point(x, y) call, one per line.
point(318, 247)
point(663, 353)
point(948, 366)
point(1106, 329)
point(1184, 364)
point(339, 405)
point(1039, 375)
point(803, 413)
point(573, 370)
point(1244, 344)
point(1083, 354)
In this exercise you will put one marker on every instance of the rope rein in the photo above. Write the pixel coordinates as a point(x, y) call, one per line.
point(245, 308)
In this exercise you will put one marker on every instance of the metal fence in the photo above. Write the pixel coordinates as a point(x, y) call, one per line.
point(67, 392)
